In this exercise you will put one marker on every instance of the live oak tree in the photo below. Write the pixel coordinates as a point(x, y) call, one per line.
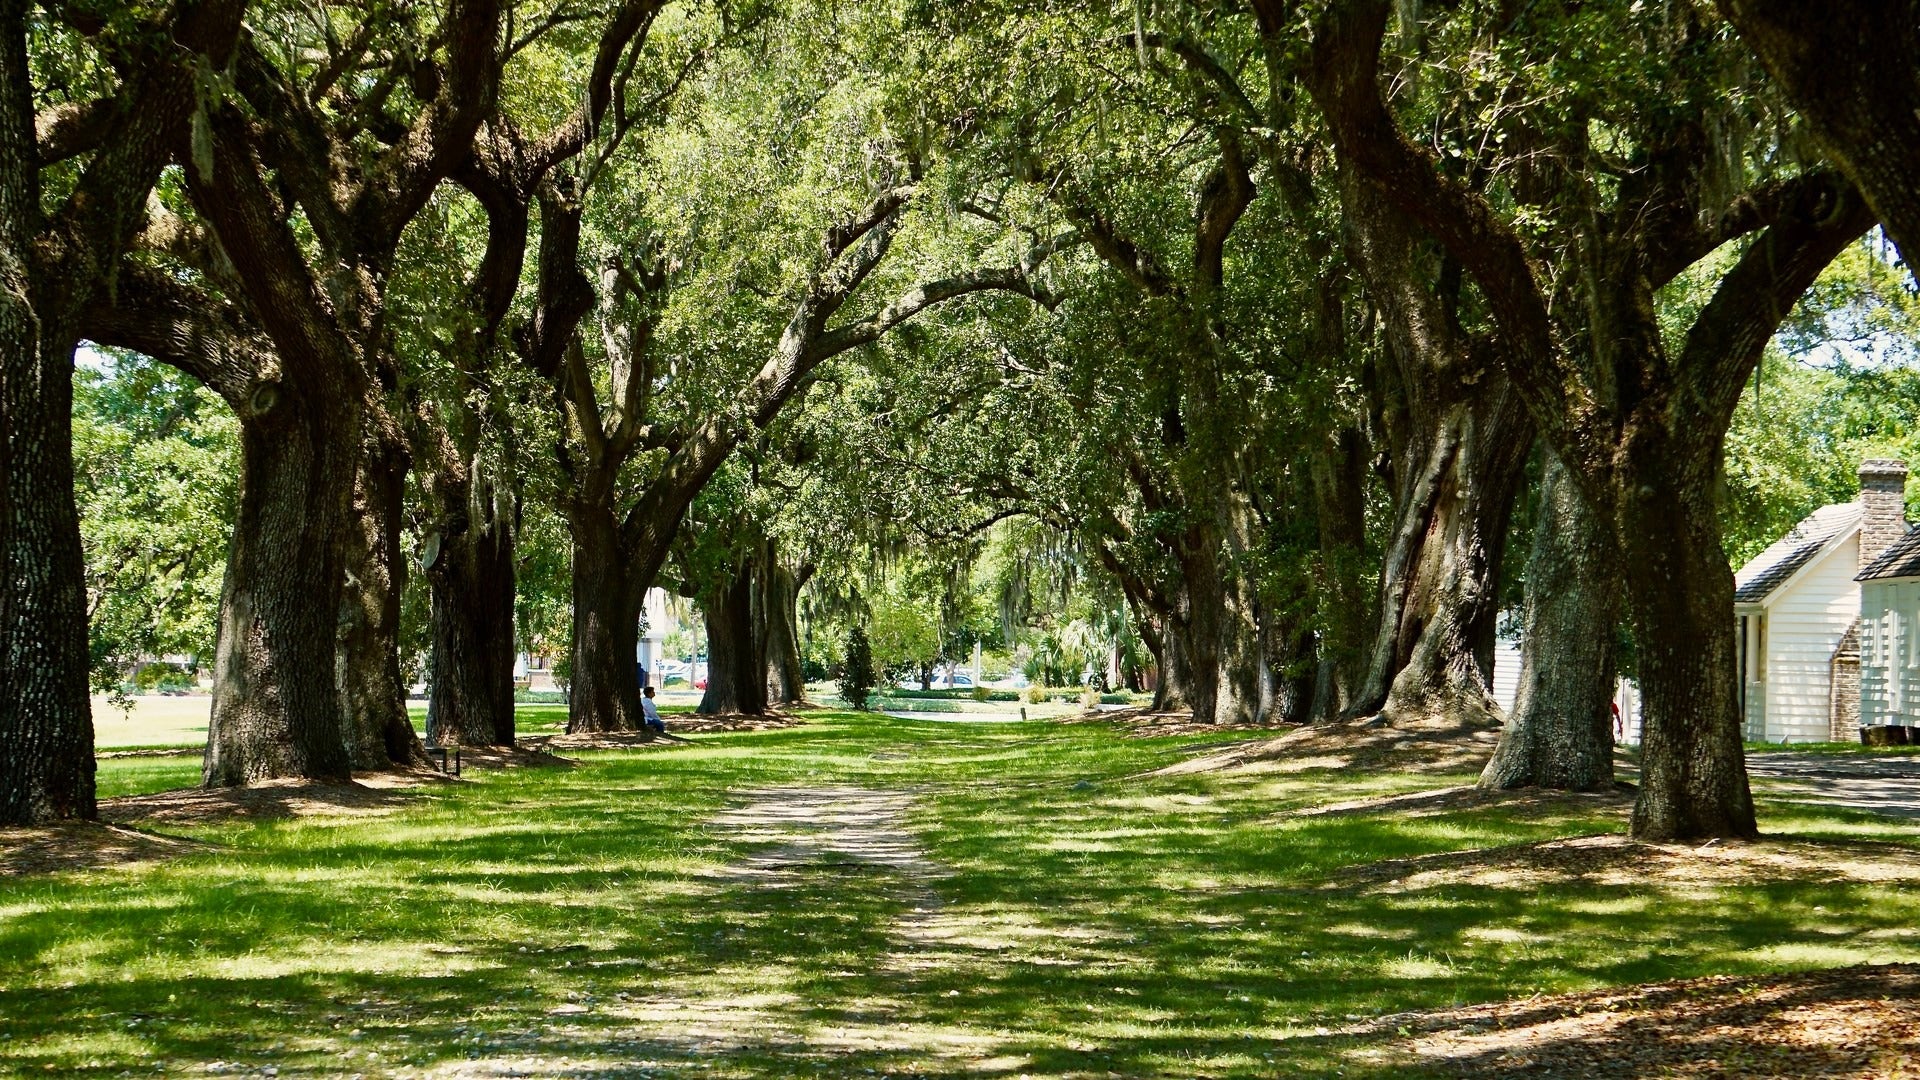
point(693, 345)
point(74, 179)
point(465, 405)
point(1635, 413)
point(338, 132)
point(1151, 148)
point(1852, 70)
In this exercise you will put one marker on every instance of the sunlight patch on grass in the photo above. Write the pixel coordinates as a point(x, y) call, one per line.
point(1417, 967)
point(1503, 935)
point(1371, 930)
point(1806, 954)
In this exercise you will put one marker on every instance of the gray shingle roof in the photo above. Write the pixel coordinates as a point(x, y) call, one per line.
point(1757, 580)
point(1900, 560)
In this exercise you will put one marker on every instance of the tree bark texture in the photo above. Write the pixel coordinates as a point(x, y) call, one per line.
point(1561, 732)
point(1459, 436)
point(1848, 68)
point(1221, 631)
point(472, 583)
point(276, 705)
point(373, 695)
point(1679, 593)
point(780, 627)
point(1289, 671)
point(604, 694)
point(1448, 605)
point(46, 721)
point(736, 656)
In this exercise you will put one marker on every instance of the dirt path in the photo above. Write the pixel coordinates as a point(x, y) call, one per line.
point(796, 835)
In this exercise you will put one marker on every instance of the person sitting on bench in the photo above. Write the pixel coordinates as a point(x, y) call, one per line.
point(650, 713)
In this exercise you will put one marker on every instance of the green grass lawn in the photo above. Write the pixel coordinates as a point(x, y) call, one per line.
point(1083, 920)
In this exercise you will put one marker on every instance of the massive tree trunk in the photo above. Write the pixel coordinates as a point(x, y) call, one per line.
point(1449, 606)
point(1561, 731)
point(373, 695)
point(1290, 670)
point(604, 692)
point(1213, 639)
point(1679, 594)
point(780, 627)
point(276, 706)
point(1459, 437)
point(472, 581)
point(736, 661)
point(46, 722)
point(1848, 68)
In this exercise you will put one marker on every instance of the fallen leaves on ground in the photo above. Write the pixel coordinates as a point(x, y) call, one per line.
point(1855, 1022)
point(84, 845)
point(1615, 859)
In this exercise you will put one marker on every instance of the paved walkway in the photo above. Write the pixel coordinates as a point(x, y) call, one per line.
point(1880, 783)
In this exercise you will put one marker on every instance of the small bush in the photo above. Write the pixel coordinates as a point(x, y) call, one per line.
point(981, 693)
point(1089, 698)
point(857, 675)
point(1036, 694)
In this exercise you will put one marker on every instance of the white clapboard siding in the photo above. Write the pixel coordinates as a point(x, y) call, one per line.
point(1806, 618)
point(1890, 653)
point(1506, 671)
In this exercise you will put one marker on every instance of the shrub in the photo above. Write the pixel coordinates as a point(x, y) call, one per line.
point(981, 693)
point(1036, 694)
point(1089, 698)
point(857, 675)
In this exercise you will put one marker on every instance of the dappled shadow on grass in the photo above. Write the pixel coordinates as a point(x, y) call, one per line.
point(585, 923)
point(1849, 1022)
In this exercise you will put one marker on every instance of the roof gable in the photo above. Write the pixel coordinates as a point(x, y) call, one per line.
point(1817, 532)
point(1902, 559)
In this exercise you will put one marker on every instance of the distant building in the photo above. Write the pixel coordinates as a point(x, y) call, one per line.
point(1888, 655)
point(1799, 614)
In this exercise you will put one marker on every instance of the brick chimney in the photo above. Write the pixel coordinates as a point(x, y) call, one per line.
point(1883, 492)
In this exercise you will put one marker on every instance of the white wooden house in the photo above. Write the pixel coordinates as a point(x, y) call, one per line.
point(1797, 607)
point(1890, 637)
